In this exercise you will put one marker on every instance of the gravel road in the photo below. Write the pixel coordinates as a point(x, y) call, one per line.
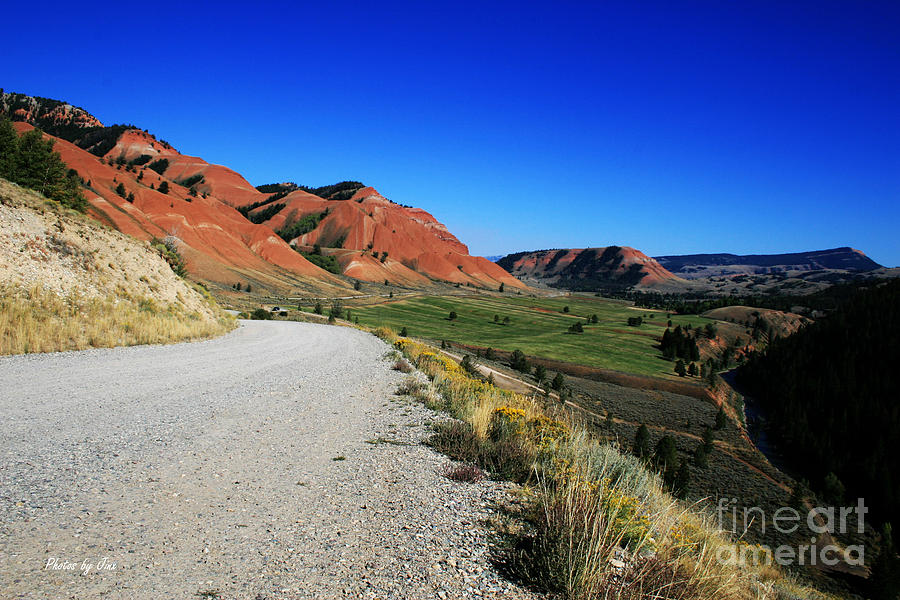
point(273, 462)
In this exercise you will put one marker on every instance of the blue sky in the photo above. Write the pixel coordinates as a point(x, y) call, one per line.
point(673, 127)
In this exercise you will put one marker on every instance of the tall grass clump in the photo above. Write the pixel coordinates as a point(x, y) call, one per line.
point(36, 320)
point(596, 523)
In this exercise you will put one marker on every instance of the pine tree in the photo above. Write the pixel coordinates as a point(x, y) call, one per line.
point(708, 438)
point(701, 457)
point(721, 418)
point(642, 442)
point(666, 454)
point(679, 368)
point(8, 149)
point(558, 382)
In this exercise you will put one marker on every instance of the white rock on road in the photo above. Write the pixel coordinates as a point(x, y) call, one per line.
point(243, 466)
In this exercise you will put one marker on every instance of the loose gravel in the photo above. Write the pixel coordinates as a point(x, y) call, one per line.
point(274, 462)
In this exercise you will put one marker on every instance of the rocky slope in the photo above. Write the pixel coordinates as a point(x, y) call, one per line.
point(375, 239)
point(66, 282)
point(144, 187)
point(590, 268)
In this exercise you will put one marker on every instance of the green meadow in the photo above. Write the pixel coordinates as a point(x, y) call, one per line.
point(538, 327)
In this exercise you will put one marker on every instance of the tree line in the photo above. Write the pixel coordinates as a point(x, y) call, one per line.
point(830, 394)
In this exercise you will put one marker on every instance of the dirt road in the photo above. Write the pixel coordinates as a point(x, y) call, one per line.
point(274, 462)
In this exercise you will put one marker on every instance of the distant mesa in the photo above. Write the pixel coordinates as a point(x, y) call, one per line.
point(698, 266)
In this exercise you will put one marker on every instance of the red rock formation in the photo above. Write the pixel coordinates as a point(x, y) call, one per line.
point(223, 246)
point(418, 247)
point(218, 243)
point(615, 265)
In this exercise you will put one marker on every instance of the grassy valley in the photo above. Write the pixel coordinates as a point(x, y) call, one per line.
point(539, 327)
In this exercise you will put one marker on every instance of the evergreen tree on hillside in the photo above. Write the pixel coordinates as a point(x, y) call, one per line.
point(8, 149)
point(30, 161)
point(519, 362)
point(558, 382)
point(642, 442)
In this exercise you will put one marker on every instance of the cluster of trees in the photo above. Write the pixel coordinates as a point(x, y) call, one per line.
point(191, 181)
point(518, 362)
point(329, 263)
point(338, 191)
point(245, 210)
point(30, 161)
point(677, 343)
point(159, 165)
point(278, 188)
point(675, 472)
point(506, 320)
point(830, 392)
point(304, 225)
point(635, 321)
point(265, 214)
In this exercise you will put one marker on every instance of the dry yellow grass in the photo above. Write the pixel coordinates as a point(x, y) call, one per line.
point(68, 283)
point(39, 321)
point(594, 504)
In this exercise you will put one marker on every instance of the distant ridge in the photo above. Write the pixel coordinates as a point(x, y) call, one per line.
point(693, 266)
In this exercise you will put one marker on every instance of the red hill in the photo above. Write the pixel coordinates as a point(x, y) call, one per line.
point(375, 239)
point(371, 238)
point(590, 268)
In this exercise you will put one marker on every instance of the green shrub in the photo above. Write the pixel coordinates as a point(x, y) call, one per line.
point(329, 263)
point(159, 165)
point(265, 214)
point(169, 251)
point(190, 181)
point(260, 314)
point(519, 362)
point(304, 225)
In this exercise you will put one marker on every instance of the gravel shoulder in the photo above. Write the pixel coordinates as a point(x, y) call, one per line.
point(273, 462)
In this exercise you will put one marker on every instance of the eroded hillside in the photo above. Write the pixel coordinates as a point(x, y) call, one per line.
point(69, 283)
